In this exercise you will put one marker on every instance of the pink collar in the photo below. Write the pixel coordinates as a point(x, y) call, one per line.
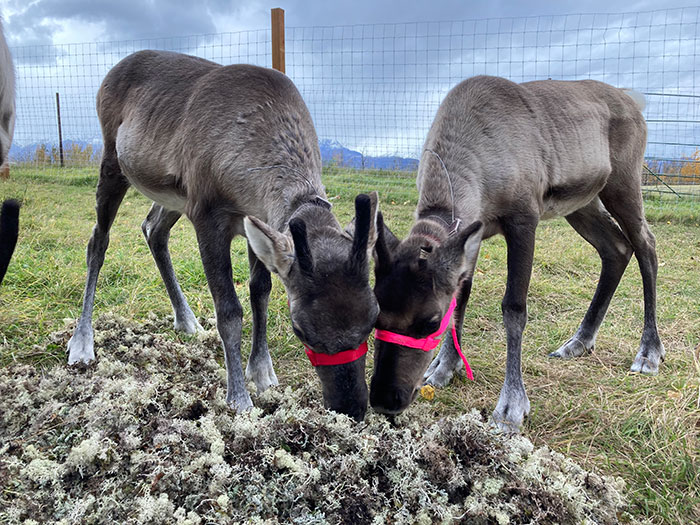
point(428, 343)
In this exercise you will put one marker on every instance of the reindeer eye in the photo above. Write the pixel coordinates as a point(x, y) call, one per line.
point(297, 331)
point(427, 326)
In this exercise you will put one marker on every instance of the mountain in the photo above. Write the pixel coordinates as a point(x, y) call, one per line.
point(28, 152)
point(333, 151)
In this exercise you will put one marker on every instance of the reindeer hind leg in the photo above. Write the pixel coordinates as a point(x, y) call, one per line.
point(625, 204)
point(111, 188)
point(156, 229)
point(594, 223)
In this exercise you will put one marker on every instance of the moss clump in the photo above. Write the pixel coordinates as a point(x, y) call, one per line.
point(146, 437)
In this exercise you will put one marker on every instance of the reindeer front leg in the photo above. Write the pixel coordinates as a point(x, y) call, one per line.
point(513, 404)
point(259, 369)
point(214, 238)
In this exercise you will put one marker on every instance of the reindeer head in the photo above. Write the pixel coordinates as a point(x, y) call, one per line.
point(325, 271)
point(415, 282)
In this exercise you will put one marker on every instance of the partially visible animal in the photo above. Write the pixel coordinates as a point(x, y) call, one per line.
point(9, 219)
point(7, 98)
point(499, 158)
point(234, 149)
point(9, 230)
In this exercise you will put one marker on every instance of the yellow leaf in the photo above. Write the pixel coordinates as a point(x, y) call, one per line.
point(674, 394)
point(427, 392)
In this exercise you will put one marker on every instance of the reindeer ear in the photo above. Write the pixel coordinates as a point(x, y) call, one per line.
point(457, 256)
point(373, 213)
point(297, 227)
point(360, 237)
point(273, 248)
point(386, 243)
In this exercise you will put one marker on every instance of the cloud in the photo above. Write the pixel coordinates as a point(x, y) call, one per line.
point(370, 83)
point(39, 22)
point(44, 21)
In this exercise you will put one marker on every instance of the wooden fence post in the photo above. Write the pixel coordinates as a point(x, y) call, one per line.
point(278, 39)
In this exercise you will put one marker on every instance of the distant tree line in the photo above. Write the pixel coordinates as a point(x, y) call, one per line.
point(74, 155)
point(683, 171)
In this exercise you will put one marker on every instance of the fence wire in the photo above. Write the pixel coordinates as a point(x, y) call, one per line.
point(374, 89)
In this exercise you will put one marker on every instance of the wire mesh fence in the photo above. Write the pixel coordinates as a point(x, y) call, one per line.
point(374, 89)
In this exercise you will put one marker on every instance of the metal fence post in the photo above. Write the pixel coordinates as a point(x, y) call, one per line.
point(60, 135)
point(278, 39)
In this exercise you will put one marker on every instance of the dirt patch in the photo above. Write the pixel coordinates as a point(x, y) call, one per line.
point(145, 436)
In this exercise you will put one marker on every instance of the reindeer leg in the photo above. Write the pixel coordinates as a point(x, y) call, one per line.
point(259, 369)
point(447, 362)
point(626, 206)
point(156, 228)
point(595, 224)
point(111, 188)
point(214, 237)
point(513, 404)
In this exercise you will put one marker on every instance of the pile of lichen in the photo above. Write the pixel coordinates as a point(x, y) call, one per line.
point(144, 436)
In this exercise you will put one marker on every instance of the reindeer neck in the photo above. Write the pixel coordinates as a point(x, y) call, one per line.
point(436, 184)
point(289, 197)
point(432, 226)
point(315, 211)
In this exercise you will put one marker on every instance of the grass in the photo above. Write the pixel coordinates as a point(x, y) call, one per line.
point(644, 429)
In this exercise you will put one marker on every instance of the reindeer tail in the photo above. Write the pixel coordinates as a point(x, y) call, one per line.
point(9, 229)
point(637, 97)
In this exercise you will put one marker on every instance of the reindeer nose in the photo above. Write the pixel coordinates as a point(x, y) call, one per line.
point(392, 399)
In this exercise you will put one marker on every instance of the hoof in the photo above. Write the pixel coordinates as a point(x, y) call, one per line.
point(262, 374)
point(572, 348)
point(240, 403)
point(512, 409)
point(648, 359)
point(81, 348)
point(189, 325)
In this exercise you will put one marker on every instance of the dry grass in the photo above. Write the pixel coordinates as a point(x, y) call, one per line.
point(592, 409)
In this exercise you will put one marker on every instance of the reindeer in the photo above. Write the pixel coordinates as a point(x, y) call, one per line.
point(499, 158)
point(7, 98)
point(9, 231)
point(234, 149)
point(9, 218)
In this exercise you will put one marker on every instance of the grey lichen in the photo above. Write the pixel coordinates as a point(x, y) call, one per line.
point(146, 437)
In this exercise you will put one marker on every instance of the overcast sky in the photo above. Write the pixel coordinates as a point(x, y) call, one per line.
point(30, 22)
point(374, 88)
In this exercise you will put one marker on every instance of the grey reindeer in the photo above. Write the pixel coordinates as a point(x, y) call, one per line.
point(499, 158)
point(234, 149)
point(7, 98)
point(9, 216)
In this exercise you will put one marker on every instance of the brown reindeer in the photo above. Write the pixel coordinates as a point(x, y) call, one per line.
point(234, 149)
point(500, 157)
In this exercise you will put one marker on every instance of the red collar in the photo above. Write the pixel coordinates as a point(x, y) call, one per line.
point(341, 358)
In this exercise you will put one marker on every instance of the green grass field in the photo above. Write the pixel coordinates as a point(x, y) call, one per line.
point(644, 429)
